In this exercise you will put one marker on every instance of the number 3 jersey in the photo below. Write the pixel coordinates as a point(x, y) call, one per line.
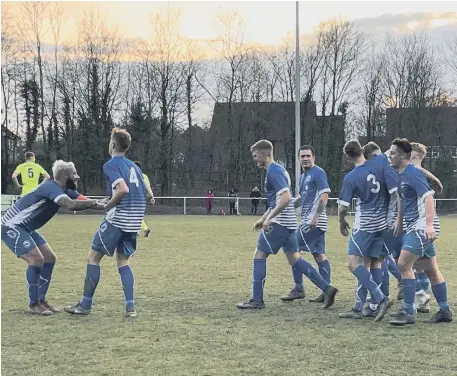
point(367, 183)
point(128, 214)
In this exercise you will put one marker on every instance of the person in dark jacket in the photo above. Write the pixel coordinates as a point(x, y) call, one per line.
point(232, 201)
point(255, 195)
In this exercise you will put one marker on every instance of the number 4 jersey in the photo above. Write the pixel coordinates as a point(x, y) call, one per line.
point(129, 212)
point(367, 183)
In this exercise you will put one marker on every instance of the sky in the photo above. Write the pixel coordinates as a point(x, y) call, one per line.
point(267, 22)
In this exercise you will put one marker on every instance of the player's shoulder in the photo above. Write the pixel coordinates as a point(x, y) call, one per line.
point(275, 169)
point(318, 171)
point(47, 187)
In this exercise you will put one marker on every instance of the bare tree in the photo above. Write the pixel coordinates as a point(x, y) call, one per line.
point(233, 53)
point(372, 115)
point(34, 16)
point(412, 72)
point(345, 46)
point(452, 57)
point(161, 59)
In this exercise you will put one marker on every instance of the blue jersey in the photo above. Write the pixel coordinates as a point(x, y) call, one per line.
point(313, 183)
point(366, 182)
point(413, 189)
point(277, 181)
point(128, 214)
point(36, 208)
point(391, 180)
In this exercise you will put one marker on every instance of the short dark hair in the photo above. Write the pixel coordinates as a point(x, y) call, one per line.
point(138, 163)
point(353, 149)
point(307, 147)
point(121, 138)
point(262, 145)
point(29, 155)
point(404, 145)
point(369, 149)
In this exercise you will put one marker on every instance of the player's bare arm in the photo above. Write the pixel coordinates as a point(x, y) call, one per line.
point(119, 191)
point(150, 194)
point(342, 213)
point(323, 200)
point(46, 176)
point(77, 205)
point(398, 226)
point(283, 201)
point(297, 202)
point(259, 224)
point(15, 181)
point(432, 177)
point(430, 234)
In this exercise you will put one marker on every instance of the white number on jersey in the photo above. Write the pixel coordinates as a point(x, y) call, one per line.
point(372, 178)
point(133, 177)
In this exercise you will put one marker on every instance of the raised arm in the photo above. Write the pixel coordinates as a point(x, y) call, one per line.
point(76, 205)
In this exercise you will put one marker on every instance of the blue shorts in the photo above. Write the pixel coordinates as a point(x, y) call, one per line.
point(392, 245)
point(312, 241)
point(21, 241)
point(277, 237)
point(109, 239)
point(415, 243)
point(366, 244)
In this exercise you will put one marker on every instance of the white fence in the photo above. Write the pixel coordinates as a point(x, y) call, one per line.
point(193, 205)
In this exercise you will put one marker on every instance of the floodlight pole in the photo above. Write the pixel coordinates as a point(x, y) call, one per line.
point(297, 101)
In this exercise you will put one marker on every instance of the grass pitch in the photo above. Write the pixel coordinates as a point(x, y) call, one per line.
point(189, 274)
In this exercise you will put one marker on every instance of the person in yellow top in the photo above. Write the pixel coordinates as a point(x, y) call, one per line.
point(144, 226)
point(30, 172)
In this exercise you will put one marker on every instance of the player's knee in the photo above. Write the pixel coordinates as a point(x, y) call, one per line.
point(403, 266)
point(258, 254)
point(319, 258)
point(292, 257)
point(35, 259)
point(94, 257)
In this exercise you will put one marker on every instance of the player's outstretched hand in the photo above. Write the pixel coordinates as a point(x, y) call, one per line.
point(100, 204)
point(344, 228)
point(258, 225)
point(430, 234)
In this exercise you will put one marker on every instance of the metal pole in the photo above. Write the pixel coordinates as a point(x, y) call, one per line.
point(297, 101)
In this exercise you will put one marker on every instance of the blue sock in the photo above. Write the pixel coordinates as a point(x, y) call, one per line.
point(440, 292)
point(385, 278)
point(360, 297)
point(45, 280)
point(325, 270)
point(90, 284)
point(311, 272)
point(423, 281)
point(418, 284)
point(128, 283)
point(298, 278)
point(393, 268)
point(259, 274)
point(409, 293)
point(365, 278)
point(32, 276)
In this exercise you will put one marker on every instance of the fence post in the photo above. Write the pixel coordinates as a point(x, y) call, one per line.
point(185, 204)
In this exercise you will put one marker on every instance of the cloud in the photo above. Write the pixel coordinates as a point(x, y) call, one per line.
point(408, 22)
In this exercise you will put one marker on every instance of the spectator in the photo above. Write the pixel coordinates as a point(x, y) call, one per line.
point(255, 195)
point(232, 201)
point(209, 201)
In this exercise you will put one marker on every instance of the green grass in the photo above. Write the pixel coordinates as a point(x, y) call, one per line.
point(189, 274)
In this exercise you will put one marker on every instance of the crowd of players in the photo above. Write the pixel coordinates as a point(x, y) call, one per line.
point(394, 229)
